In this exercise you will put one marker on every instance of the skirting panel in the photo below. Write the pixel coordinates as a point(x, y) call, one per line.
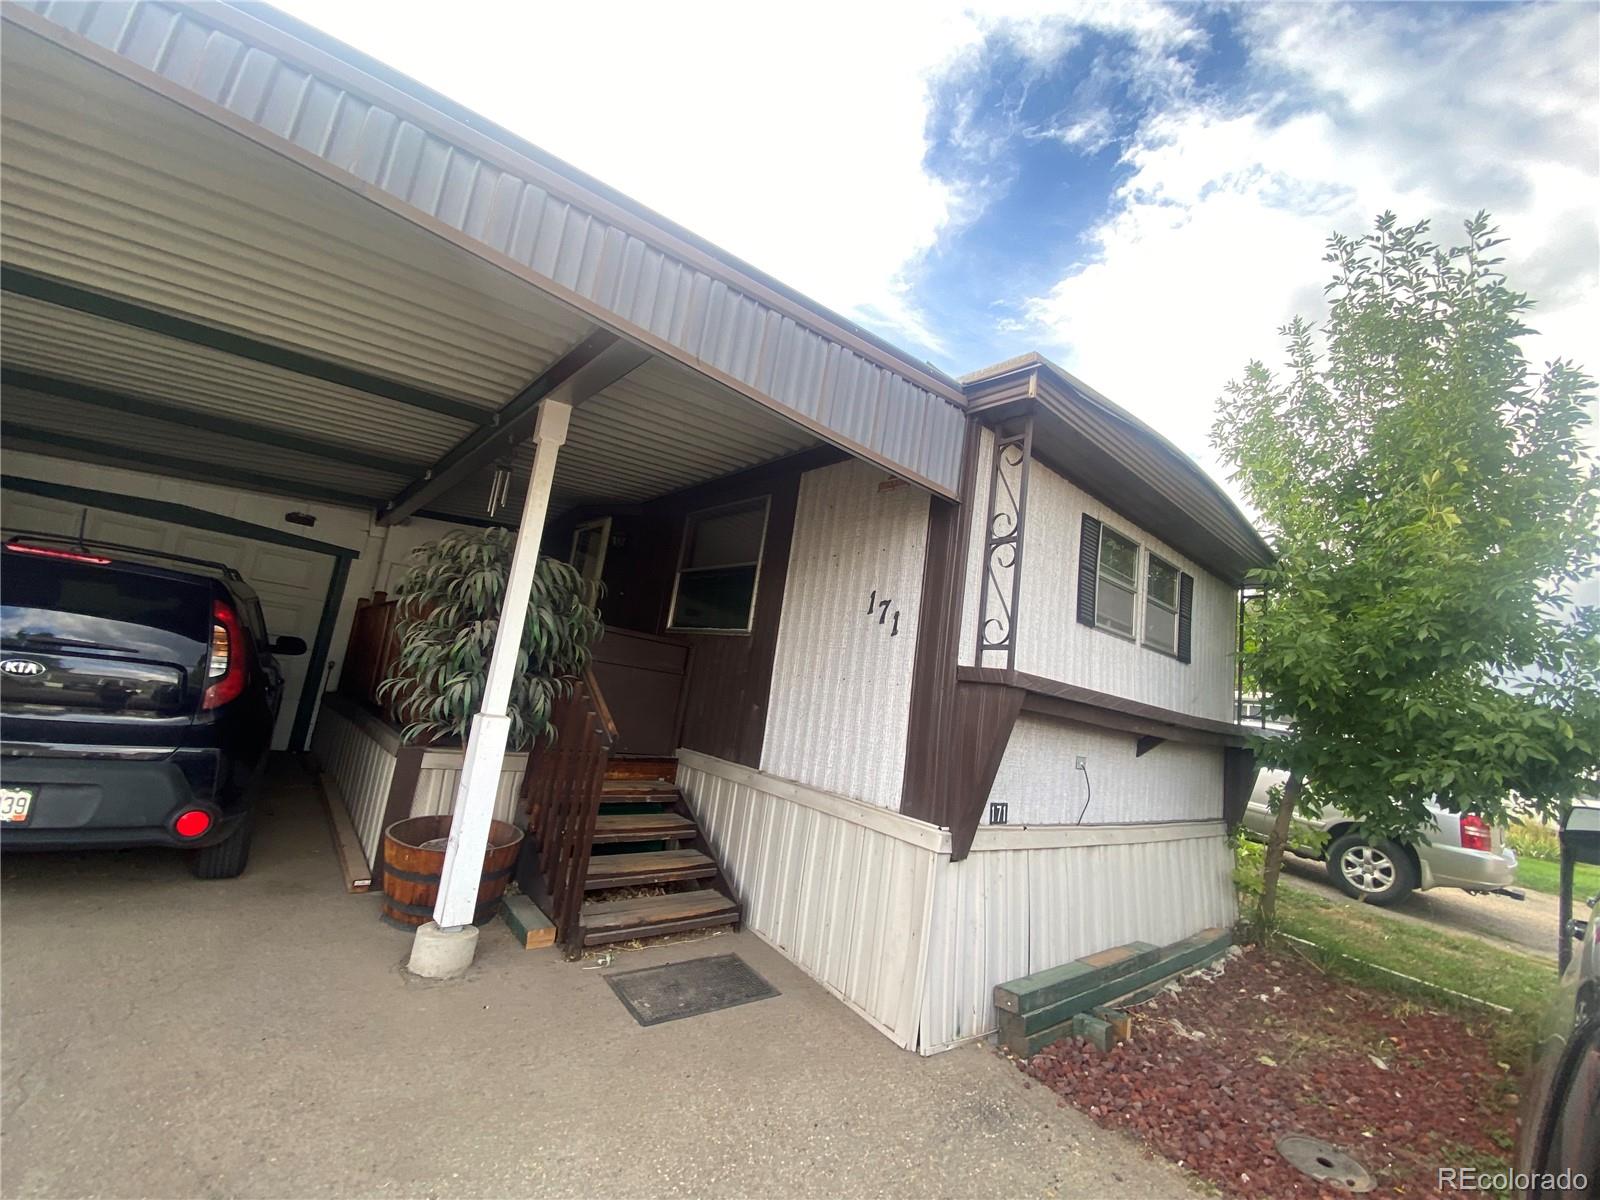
point(358, 752)
point(834, 889)
point(869, 904)
point(441, 774)
point(1004, 913)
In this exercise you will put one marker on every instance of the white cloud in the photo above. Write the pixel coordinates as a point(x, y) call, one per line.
point(791, 136)
point(1216, 237)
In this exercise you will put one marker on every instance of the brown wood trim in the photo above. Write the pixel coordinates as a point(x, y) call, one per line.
point(927, 780)
point(397, 805)
point(985, 715)
point(602, 711)
point(1239, 770)
point(1052, 697)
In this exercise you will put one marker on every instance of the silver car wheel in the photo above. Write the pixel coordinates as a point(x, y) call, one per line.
point(1367, 868)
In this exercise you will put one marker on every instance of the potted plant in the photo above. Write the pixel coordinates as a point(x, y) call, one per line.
point(448, 605)
point(449, 610)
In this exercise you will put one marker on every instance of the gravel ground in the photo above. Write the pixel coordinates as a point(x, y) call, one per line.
point(1215, 1073)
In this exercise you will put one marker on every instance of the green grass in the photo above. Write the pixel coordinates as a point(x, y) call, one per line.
point(1539, 875)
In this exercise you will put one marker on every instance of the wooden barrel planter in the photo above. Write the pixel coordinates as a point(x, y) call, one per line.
point(413, 861)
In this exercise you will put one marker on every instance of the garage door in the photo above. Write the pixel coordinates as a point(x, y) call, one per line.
point(292, 583)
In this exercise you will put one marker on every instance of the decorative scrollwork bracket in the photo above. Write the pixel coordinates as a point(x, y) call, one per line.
point(1002, 547)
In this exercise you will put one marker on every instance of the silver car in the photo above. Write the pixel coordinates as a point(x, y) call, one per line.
point(1461, 851)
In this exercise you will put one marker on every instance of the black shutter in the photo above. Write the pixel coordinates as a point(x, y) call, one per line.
point(1088, 569)
point(1185, 614)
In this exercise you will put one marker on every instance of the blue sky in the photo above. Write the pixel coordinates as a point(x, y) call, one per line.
point(1140, 191)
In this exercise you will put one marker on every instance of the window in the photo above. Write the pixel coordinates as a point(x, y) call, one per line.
point(588, 554)
point(1161, 605)
point(721, 558)
point(1109, 592)
point(1117, 583)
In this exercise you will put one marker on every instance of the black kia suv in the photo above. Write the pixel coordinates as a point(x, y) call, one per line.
point(138, 692)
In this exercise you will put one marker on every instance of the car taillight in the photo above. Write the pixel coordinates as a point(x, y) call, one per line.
point(193, 823)
point(52, 552)
point(226, 669)
point(1474, 832)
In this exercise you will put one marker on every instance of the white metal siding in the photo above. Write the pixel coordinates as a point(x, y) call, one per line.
point(1051, 643)
point(441, 775)
point(1002, 914)
point(1039, 781)
point(362, 766)
point(545, 222)
point(831, 888)
point(841, 678)
point(868, 903)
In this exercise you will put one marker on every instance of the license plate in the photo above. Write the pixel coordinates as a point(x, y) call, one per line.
point(15, 804)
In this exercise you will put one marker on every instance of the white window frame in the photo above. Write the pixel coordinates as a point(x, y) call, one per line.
point(1100, 575)
point(603, 524)
point(689, 521)
point(1150, 556)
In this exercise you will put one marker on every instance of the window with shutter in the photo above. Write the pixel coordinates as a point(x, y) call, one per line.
point(1185, 615)
point(1117, 586)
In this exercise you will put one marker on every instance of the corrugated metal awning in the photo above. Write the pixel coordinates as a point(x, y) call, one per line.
point(204, 215)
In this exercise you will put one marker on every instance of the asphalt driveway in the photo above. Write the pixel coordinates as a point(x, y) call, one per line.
point(163, 1036)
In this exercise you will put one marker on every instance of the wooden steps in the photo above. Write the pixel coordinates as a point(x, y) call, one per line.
point(647, 916)
point(646, 840)
point(690, 892)
point(650, 866)
point(642, 827)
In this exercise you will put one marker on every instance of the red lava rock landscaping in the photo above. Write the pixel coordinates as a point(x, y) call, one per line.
point(1288, 1049)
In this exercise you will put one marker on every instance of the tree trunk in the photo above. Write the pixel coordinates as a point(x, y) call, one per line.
point(1277, 842)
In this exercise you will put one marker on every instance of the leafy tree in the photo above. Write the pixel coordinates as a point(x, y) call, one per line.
point(1433, 511)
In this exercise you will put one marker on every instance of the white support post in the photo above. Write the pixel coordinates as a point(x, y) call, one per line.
point(486, 741)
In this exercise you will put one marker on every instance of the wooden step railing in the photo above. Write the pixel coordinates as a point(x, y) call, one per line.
point(561, 792)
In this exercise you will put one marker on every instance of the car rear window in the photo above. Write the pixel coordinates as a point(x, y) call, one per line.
point(107, 593)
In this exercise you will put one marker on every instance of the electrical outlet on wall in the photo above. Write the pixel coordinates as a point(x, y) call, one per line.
point(1081, 763)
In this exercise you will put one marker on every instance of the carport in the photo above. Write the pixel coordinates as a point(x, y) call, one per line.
point(251, 265)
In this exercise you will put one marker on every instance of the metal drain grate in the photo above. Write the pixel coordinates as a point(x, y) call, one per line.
point(1325, 1163)
point(687, 989)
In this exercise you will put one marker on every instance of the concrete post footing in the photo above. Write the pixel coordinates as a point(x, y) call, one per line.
point(443, 953)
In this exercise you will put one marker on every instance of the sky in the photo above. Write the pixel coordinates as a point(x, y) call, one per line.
point(1141, 192)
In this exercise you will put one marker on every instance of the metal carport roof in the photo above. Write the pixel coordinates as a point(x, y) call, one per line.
point(232, 254)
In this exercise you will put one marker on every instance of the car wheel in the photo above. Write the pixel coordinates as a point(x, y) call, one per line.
point(1377, 871)
point(225, 859)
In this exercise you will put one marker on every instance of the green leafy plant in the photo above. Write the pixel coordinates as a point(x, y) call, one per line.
point(1433, 511)
point(449, 610)
point(1534, 839)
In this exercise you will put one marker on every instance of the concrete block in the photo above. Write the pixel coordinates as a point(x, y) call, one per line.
point(443, 953)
